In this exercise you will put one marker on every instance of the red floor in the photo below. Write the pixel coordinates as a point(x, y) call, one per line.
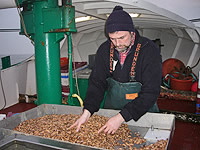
point(186, 135)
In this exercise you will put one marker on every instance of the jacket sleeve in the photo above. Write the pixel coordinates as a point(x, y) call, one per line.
point(149, 73)
point(97, 81)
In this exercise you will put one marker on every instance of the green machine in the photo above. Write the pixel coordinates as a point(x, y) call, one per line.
point(45, 23)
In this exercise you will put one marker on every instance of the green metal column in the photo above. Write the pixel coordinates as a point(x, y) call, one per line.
point(47, 61)
point(48, 75)
point(46, 23)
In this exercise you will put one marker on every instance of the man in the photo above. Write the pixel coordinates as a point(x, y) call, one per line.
point(129, 68)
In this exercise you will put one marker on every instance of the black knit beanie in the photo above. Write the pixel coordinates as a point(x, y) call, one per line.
point(119, 20)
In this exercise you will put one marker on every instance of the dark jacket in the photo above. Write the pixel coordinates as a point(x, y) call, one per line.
point(148, 72)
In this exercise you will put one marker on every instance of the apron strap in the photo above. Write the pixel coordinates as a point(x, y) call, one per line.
point(136, 54)
point(111, 57)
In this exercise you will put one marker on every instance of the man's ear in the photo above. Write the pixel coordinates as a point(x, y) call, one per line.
point(131, 33)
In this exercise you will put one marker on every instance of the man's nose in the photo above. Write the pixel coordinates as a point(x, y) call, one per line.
point(117, 42)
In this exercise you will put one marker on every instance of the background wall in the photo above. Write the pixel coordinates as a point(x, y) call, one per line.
point(89, 43)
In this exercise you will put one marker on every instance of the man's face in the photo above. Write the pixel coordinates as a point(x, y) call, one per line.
point(121, 40)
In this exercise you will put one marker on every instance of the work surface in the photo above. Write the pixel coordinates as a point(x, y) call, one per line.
point(160, 122)
point(186, 134)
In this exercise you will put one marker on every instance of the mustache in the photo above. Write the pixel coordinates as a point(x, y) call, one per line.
point(118, 47)
point(123, 47)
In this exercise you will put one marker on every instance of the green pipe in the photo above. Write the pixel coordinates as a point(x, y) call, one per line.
point(70, 98)
point(47, 60)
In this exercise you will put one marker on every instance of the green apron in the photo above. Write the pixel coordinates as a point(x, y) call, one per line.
point(118, 94)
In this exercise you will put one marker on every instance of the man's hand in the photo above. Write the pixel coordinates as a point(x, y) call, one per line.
point(84, 118)
point(112, 124)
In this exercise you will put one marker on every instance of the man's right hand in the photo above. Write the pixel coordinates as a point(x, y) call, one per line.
point(84, 118)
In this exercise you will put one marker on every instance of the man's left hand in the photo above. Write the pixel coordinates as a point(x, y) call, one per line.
point(112, 124)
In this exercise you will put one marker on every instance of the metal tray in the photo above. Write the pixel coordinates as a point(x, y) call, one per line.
point(152, 126)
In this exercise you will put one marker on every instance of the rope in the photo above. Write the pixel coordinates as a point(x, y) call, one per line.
point(4, 96)
point(166, 79)
point(75, 73)
point(196, 63)
point(22, 20)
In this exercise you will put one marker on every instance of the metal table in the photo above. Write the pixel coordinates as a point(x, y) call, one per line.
point(163, 127)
